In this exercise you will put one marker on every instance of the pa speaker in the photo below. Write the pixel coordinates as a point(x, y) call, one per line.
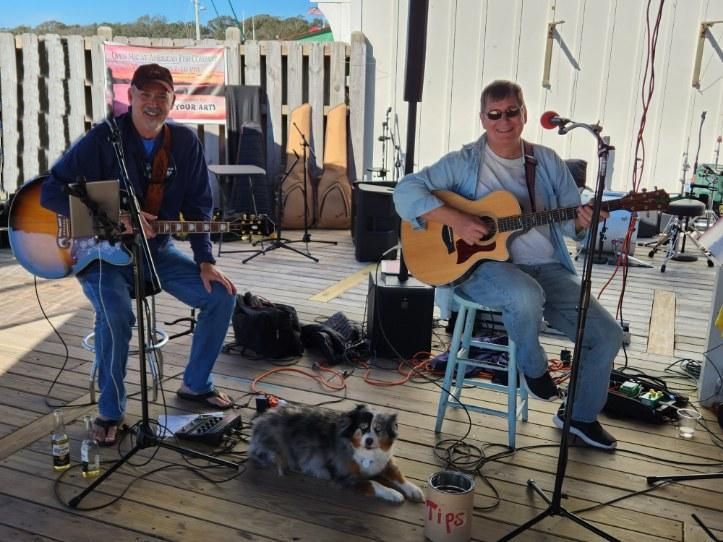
point(399, 316)
point(416, 50)
point(375, 223)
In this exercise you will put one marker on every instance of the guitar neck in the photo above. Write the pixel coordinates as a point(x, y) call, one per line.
point(193, 226)
point(540, 218)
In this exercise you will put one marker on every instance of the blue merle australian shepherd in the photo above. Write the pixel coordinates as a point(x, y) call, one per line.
point(351, 448)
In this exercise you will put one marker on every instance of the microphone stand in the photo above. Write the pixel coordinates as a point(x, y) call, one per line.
point(280, 242)
point(555, 507)
point(306, 239)
point(145, 436)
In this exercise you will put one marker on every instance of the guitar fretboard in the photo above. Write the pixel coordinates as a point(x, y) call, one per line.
point(540, 218)
point(177, 226)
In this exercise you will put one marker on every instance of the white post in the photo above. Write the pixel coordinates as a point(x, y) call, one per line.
point(198, 25)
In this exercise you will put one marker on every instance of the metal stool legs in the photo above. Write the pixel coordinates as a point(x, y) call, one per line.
point(154, 355)
point(669, 239)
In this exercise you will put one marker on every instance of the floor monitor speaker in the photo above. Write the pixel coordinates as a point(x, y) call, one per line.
point(375, 222)
point(399, 316)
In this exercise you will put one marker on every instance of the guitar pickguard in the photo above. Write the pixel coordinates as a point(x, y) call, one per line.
point(86, 250)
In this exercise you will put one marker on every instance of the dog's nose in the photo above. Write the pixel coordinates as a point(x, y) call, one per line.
point(368, 442)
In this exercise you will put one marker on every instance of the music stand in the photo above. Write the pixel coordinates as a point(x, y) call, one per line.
point(555, 507)
point(145, 436)
point(307, 236)
point(223, 172)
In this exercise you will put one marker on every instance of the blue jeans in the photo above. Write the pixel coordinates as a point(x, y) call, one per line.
point(525, 294)
point(108, 288)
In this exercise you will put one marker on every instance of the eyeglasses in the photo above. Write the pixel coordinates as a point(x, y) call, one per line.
point(510, 112)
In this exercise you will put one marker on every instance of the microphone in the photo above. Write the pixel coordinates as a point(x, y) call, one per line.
point(551, 120)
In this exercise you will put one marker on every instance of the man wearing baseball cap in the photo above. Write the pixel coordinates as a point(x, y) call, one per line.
point(166, 165)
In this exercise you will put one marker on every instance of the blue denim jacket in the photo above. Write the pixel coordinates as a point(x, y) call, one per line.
point(458, 172)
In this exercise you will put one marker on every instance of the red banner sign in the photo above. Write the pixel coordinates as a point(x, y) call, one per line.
point(198, 75)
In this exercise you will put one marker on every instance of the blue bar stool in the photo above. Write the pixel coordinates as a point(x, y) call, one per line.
point(459, 360)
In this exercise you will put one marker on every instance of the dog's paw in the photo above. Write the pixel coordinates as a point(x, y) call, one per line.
point(412, 492)
point(387, 493)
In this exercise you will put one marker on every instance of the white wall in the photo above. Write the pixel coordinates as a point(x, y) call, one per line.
point(596, 75)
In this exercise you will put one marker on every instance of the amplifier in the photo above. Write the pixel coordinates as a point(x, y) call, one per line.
point(400, 316)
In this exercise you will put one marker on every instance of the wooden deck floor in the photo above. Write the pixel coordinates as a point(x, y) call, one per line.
point(174, 503)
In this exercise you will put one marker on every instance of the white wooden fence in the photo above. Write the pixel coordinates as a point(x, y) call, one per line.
point(52, 91)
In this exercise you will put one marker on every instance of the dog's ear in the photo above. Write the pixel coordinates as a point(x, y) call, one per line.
point(392, 426)
point(348, 423)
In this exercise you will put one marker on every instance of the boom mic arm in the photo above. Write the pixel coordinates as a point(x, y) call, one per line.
point(551, 120)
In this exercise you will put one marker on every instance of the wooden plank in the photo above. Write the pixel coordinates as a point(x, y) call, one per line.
point(76, 87)
point(57, 108)
point(662, 323)
point(10, 177)
point(357, 104)
point(99, 107)
point(233, 60)
point(316, 100)
point(274, 91)
point(343, 285)
point(252, 63)
point(30, 88)
point(294, 77)
point(337, 79)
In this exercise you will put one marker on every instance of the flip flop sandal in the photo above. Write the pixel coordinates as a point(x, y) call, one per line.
point(204, 398)
point(107, 425)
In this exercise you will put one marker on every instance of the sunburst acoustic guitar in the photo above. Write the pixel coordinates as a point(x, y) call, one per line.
point(41, 242)
point(436, 256)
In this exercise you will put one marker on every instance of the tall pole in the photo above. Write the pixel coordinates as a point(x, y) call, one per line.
point(198, 23)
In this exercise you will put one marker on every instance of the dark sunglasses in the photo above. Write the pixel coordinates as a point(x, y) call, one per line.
point(510, 112)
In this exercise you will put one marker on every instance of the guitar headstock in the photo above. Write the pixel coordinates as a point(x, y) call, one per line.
point(645, 201)
point(248, 224)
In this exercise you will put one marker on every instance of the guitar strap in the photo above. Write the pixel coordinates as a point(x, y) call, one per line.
point(530, 163)
point(159, 178)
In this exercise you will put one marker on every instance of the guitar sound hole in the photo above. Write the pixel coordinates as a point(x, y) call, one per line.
point(491, 225)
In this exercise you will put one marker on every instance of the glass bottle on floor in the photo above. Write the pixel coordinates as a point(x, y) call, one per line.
point(89, 451)
point(60, 443)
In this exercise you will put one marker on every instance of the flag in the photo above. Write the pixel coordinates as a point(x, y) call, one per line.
point(314, 11)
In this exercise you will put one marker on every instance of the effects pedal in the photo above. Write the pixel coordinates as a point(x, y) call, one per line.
point(209, 428)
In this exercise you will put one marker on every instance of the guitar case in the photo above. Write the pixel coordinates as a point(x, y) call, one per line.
point(294, 194)
point(333, 202)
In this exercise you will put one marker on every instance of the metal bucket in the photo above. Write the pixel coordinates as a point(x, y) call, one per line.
point(450, 502)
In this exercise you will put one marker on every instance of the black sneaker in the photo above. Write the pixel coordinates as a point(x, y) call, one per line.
point(592, 433)
point(542, 387)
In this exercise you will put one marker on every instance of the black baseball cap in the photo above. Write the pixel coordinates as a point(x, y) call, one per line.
point(152, 73)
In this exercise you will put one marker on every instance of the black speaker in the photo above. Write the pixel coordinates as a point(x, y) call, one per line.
point(375, 223)
point(416, 50)
point(399, 316)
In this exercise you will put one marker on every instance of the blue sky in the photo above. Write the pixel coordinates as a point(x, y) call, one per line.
point(33, 12)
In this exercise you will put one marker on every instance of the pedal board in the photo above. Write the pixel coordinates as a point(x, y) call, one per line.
point(209, 428)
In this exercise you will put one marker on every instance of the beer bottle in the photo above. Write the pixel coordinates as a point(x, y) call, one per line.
point(89, 451)
point(60, 443)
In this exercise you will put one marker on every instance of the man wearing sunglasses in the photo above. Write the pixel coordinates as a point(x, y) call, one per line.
point(167, 168)
point(539, 279)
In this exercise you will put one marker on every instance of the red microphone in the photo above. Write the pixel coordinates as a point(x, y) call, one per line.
point(551, 120)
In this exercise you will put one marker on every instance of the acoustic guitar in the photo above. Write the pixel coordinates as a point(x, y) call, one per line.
point(436, 256)
point(41, 242)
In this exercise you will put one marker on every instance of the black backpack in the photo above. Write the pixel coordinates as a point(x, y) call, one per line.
point(270, 330)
